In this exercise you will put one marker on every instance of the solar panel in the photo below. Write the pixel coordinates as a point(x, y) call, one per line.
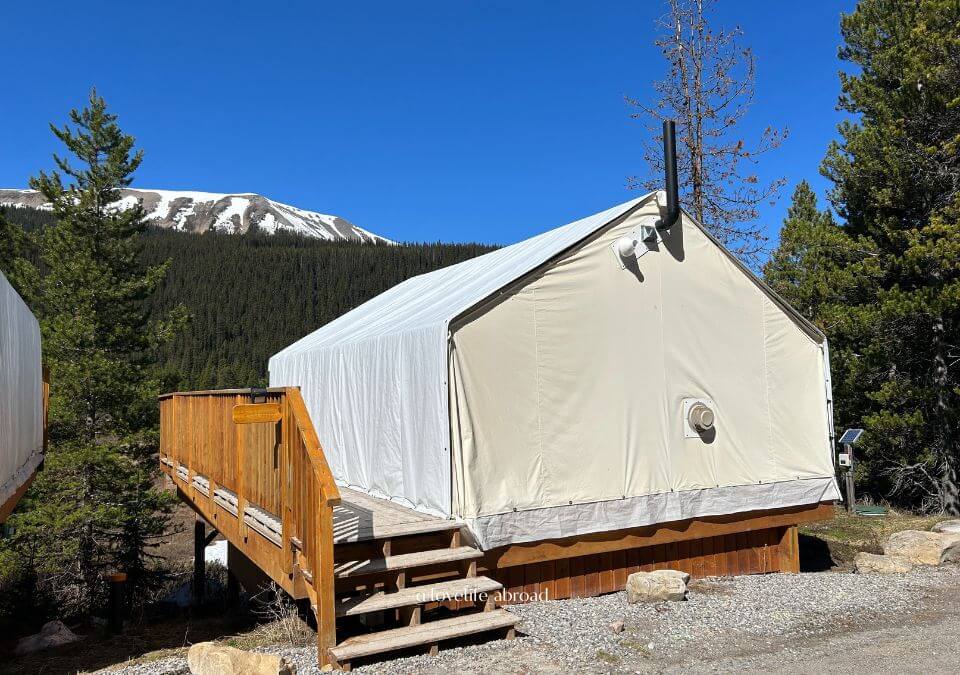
point(850, 436)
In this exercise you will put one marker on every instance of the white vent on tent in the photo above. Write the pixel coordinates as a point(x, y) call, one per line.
point(640, 240)
point(699, 417)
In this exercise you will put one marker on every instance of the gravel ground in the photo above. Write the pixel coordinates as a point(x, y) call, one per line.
point(728, 624)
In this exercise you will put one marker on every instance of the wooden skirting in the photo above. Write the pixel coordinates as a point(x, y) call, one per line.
point(755, 542)
point(751, 552)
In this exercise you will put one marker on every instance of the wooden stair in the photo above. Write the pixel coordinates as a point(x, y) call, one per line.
point(417, 595)
point(395, 563)
point(393, 591)
point(427, 633)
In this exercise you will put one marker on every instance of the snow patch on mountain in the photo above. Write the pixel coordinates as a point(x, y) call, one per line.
point(194, 211)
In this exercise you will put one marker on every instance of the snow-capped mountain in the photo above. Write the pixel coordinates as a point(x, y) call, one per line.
point(234, 213)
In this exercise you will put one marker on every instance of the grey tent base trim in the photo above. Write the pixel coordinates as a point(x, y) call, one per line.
point(557, 522)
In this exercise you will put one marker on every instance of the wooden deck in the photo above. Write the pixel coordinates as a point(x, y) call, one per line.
point(249, 463)
point(380, 577)
point(360, 517)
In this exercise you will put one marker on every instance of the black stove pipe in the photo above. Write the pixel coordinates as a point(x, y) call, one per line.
point(670, 174)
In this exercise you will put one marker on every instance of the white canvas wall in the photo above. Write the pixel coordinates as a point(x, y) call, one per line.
point(21, 392)
point(568, 395)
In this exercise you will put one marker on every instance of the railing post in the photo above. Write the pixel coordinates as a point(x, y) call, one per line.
point(241, 456)
point(286, 499)
point(323, 578)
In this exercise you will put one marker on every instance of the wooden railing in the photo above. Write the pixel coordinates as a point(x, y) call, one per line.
point(250, 462)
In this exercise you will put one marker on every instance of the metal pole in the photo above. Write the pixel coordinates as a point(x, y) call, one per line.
point(851, 495)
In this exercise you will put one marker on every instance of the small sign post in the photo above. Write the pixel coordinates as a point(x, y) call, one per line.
point(847, 459)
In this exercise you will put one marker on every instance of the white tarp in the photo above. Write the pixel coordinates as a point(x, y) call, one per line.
point(21, 392)
point(376, 384)
point(375, 379)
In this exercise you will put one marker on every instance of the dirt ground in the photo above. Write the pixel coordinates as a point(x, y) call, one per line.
point(928, 644)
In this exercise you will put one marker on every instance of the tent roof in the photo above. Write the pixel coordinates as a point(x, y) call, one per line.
point(435, 299)
point(438, 297)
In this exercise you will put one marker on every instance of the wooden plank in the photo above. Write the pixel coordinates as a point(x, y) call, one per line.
point(619, 561)
point(696, 558)
point(731, 559)
point(709, 557)
point(548, 580)
point(257, 413)
point(347, 533)
point(422, 634)
point(577, 589)
point(789, 552)
point(418, 595)
point(607, 578)
point(664, 533)
point(217, 392)
point(406, 561)
point(531, 580)
point(591, 575)
point(563, 578)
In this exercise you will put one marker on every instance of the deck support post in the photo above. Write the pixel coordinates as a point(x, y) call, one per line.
point(199, 561)
point(789, 550)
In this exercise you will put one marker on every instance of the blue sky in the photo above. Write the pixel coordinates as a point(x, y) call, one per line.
point(463, 120)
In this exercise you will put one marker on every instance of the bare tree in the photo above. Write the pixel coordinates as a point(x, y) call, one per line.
point(708, 92)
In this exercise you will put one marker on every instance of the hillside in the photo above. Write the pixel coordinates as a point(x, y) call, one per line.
point(191, 211)
point(252, 295)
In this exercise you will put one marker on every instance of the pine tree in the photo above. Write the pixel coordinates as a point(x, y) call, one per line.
point(95, 507)
point(13, 246)
point(892, 301)
point(812, 266)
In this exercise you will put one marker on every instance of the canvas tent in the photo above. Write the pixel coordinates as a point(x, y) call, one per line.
point(542, 390)
point(21, 396)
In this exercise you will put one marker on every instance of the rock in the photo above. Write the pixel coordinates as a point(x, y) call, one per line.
point(683, 576)
point(871, 563)
point(211, 658)
point(947, 527)
point(656, 586)
point(617, 626)
point(53, 634)
point(923, 548)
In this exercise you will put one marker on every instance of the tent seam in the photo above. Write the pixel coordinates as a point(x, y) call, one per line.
point(766, 384)
point(536, 348)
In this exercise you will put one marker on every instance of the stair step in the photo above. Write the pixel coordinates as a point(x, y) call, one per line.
point(418, 595)
point(346, 531)
point(421, 634)
point(355, 568)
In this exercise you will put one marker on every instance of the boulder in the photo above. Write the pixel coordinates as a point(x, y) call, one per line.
point(617, 626)
point(947, 527)
point(211, 658)
point(683, 576)
point(871, 563)
point(53, 634)
point(656, 586)
point(923, 548)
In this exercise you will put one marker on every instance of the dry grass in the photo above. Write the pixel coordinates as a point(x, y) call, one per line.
point(845, 535)
point(281, 623)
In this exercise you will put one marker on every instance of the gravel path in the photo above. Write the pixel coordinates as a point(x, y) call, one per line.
point(727, 625)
